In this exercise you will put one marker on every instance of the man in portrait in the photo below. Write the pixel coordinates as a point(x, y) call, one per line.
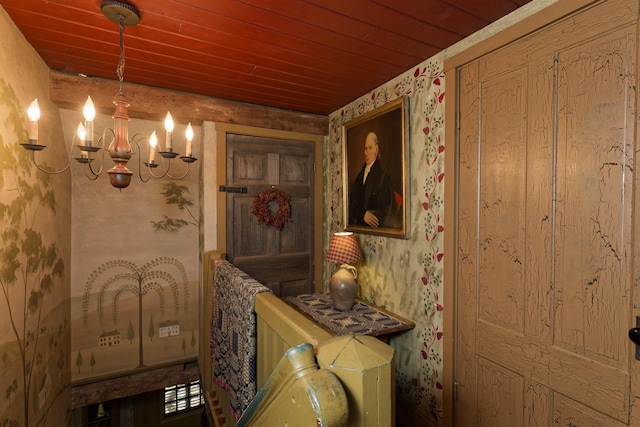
point(371, 198)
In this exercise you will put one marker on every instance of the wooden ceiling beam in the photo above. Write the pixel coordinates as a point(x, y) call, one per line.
point(150, 103)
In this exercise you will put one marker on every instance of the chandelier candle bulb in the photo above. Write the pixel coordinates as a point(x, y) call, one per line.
point(189, 135)
point(153, 143)
point(168, 125)
point(82, 134)
point(34, 115)
point(89, 112)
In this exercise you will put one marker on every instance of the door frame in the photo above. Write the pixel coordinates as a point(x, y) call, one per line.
point(527, 25)
point(221, 131)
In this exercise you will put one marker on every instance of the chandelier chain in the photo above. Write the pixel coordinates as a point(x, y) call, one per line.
point(120, 69)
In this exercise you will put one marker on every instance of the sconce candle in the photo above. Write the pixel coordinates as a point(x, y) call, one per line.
point(89, 113)
point(153, 143)
point(189, 135)
point(34, 115)
point(168, 125)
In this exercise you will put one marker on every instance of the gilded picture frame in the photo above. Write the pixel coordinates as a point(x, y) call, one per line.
point(386, 195)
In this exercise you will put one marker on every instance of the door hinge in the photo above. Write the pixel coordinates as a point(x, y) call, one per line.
point(225, 189)
point(455, 391)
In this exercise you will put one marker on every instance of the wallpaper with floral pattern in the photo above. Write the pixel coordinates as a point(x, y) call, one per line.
point(405, 276)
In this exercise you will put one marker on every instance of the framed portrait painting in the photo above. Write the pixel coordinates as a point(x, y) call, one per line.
point(376, 162)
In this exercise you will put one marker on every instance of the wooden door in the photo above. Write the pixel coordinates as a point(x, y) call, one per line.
point(281, 260)
point(545, 260)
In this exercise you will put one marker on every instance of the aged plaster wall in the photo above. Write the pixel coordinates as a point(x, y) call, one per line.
point(406, 276)
point(134, 250)
point(34, 247)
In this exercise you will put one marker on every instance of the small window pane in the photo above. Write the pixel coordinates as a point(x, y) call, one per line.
point(183, 397)
point(170, 408)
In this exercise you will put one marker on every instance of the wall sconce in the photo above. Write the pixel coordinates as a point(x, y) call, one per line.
point(116, 139)
point(343, 249)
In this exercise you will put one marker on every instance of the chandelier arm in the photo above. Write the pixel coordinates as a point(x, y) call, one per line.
point(144, 165)
point(178, 177)
point(31, 147)
point(164, 173)
point(50, 172)
point(89, 168)
point(89, 174)
point(140, 163)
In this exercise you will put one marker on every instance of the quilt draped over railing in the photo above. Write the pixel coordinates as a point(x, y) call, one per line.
point(233, 334)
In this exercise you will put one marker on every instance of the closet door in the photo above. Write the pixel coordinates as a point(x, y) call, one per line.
point(545, 262)
point(282, 260)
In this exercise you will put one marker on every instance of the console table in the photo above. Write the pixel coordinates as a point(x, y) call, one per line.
point(362, 319)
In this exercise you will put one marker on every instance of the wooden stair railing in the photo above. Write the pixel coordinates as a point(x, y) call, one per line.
point(364, 365)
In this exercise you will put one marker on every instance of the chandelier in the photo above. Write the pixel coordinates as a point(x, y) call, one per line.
point(116, 139)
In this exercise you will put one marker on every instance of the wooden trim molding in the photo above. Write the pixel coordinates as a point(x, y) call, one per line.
point(530, 24)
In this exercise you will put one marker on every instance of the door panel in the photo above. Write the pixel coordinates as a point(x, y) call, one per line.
point(501, 296)
point(501, 402)
point(544, 263)
point(282, 260)
point(593, 228)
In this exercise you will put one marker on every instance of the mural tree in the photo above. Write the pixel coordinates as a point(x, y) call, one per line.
point(30, 267)
point(79, 361)
point(176, 195)
point(121, 277)
point(152, 329)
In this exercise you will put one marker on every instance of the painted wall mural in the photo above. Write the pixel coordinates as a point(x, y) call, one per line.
point(118, 278)
point(34, 258)
point(405, 276)
point(135, 266)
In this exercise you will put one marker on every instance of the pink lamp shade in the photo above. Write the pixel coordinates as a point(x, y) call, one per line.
point(343, 249)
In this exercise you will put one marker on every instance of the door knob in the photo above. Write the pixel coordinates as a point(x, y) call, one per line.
point(634, 335)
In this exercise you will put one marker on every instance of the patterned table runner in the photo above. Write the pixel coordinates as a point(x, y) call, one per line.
point(362, 319)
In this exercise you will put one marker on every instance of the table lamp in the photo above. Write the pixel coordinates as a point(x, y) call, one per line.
point(343, 286)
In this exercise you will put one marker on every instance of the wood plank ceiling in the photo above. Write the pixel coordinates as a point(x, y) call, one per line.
point(312, 56)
